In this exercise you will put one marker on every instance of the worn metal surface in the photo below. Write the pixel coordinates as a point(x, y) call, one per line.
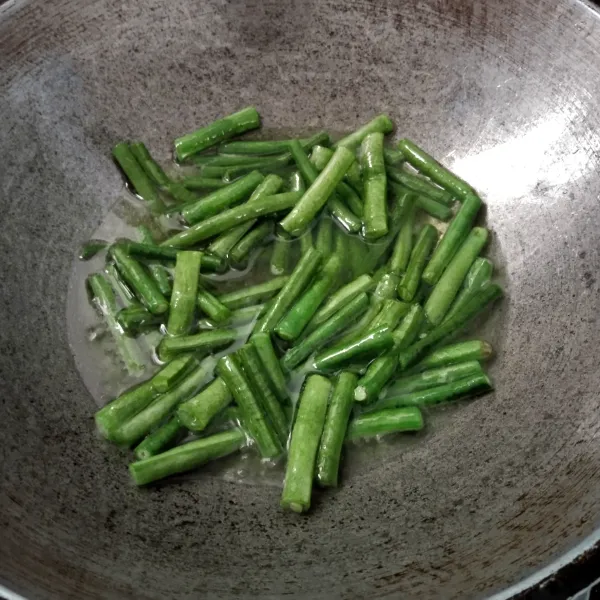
point(506, 93)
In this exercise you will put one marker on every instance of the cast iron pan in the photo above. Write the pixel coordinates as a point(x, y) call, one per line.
point(507, 93)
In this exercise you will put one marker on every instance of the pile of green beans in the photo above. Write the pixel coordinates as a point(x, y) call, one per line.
point(297, 256)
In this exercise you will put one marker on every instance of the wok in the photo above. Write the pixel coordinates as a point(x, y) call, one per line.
point(498, 490)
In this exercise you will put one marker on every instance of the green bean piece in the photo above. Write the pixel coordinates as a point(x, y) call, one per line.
point(290, 292)
point(137, 176)
point(317, 195)
point(375, 223)
point(304, 444)
point(91, 248)
point(320, 157)
point(472, 385)
point(334, 430)
point(232, 217)
point(150, 166)
point(226, 241)
point(138, 278)
point(230, 371)
point(421, 186)
point(381, 123)
point(367, 346)
point(205, 341)
point(146, 250)
point(424, 245)
point(297, 318)
point(324, 237)
point(392, 311)
point(393, 157)
point(433, 377)
point(455, 235)
point(264, 346)
point(480, 273)
point(404, 242)
point(381, 370)
point(339, 299)
point(434, 209)
point(198, 182)
point(238, 160)
point(383, 422)
point(296, 182)
point(150, 417)
point(187, 456)
point(325, 332)
point(430, 167)
point(251, 241)
point(480, 299)
point(454, 354)
point(269, 147)
point(280, 256)
point(185, 290)
point(197, 412)
point(160, 439)
point(173, 372)
point(260, 382)
point(221, 199)
point(212, 307)
point(104, 299)
point(125, 406)
point(238, 318)
point(254, 294)
point(217, 132)
point(123, 291)
point(306, 243)
point(444, 292)
point(157, 271)
point(135, 319)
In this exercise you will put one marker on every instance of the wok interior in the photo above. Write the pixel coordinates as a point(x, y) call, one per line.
point(496, 488)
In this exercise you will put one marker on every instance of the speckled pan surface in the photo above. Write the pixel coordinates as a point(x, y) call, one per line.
point(506, 92)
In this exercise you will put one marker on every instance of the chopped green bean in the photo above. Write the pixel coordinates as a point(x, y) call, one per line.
point(216, 132)
point(383, 422)
point(205, 341)
point(264, 346)
point(280, 256)
point(421, 186)
point(334, 429)
point(393, 157)
point(172, 372)
point(185, 290)
point(454, 354)
point(254, 294)
point(197, 412)
point(381, 123)
point(375, 187)
point(134, 319)
point(160, 439)
point(261, 147)
point(390, 314)
point(324, 237)
point(404, 241)
point(444, 292)
point(187, 456)
point(212, 307)
point(252, 240)
point(304, 444)
point(418, 260)
point(198, 182)
point(91, 248)
point(480, 272)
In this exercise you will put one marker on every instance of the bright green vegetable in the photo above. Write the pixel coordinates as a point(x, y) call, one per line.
point(334, 429)
point(197, 412)
point(185, 290)
point(255, 294)
point(221, 199)
point(404, 241)
point(91, 248)
point(455, 234)
point(454, 354)
point(255, 238)
point(480, 273)
point(427, 165)
point(317, 195)
point(444, 292)
point(418, 260)
point(212, 307)
point(304, 444)
point(290, 292)
point(261, 147)
point(216, 132)
point(266, 352)
point(160, 439)
point(375, 187)
point(172, 372)
point(280, 256)
point(187, 456)
point(226, 241)
point(137, 176)
point(324, 237)
point(419, 185)
point(367, 346)
point(139, 279)
point(197, 182)
point(297, 318)
point(325, 332)
point(381, 123)
point(134, 319)
point(387, 421)
point(231, 373)
point(232, 217)
point(157, 271)
point(205, 341)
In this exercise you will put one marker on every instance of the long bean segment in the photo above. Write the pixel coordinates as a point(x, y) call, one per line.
point(404, 242)
point(197, 412)
point(419, 185)
point(418, 260)
point(254, 294)
point(454, 354)
point(334, 429)
point(479, 274)
point(381, 123)
point(268, 357)
point(251, 241)
point(185, 289)
point(304, 444)
point(375, 187)
point(216, 132)
point(206, 341)
point(387, 421)
point(160, 439)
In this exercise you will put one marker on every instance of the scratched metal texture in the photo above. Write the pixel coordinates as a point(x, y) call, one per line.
point(506, 93)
